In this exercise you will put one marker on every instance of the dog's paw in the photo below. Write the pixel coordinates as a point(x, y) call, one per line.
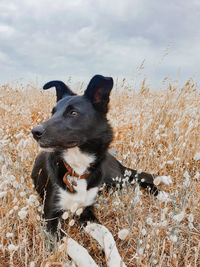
point(77, 253)
point(162, 180)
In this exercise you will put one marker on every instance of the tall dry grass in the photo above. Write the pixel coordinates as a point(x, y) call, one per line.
point(155, 132)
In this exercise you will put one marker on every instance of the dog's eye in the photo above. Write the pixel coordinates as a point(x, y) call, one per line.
point(73, 113)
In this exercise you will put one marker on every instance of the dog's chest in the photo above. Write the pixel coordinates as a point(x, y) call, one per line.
point(78, 160)
point(80, 199)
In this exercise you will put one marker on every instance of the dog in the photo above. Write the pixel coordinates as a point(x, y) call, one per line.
point(78, 163)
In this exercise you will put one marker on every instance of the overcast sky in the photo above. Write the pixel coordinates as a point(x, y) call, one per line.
point(55, 39)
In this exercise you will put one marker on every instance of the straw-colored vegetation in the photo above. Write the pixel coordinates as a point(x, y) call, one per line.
point(155, 132)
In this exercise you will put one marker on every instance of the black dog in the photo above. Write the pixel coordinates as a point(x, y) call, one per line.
point(78, 136)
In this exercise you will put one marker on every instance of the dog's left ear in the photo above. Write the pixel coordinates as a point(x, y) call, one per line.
point(98, 92)
point(62, 89)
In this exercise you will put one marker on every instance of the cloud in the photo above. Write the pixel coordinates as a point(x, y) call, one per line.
point(57, 39)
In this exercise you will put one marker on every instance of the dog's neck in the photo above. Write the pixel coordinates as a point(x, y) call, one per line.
point(79, 161)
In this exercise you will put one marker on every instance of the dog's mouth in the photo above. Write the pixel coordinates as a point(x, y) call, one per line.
point(72, 144)
point(65, 146)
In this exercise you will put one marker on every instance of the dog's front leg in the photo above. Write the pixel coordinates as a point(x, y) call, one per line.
point(115, 174)
point(52, 222)
point(107, 242)
point(52, 219)
point(103, 237)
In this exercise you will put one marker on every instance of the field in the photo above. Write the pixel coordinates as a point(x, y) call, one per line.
point(158, 132)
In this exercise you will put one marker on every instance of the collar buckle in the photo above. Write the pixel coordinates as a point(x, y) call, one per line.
point(71, 172)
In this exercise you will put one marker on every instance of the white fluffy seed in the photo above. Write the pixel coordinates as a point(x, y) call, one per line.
point(22, 214)
point(143, 231)
point(71, 223)
point(191, 217)
point(9, 235)
point(197, 156)
point(3, 194)
point(12, 247)
point(122, 234)
point(173, 238)
point(179, 217)
point(65, 215)
point(149, 221)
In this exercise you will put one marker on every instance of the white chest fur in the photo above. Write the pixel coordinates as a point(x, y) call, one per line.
point(82, 198)
point(78, 160)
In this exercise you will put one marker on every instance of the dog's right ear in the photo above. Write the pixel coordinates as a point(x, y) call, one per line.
point(62, 89)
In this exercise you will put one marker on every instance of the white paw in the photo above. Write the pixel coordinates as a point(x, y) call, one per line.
point(162, 180)
point(77, 253)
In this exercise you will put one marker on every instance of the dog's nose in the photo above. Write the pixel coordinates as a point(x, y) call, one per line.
point(37, 132)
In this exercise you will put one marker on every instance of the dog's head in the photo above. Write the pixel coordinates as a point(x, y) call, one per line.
point(76, 120)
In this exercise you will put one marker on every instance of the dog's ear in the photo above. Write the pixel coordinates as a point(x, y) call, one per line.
point(98, 92)
point(61, 89)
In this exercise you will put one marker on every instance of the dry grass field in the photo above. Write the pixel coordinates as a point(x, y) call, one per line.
point(155, 132)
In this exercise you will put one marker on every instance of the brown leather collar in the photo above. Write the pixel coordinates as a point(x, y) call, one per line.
point(71, 172)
